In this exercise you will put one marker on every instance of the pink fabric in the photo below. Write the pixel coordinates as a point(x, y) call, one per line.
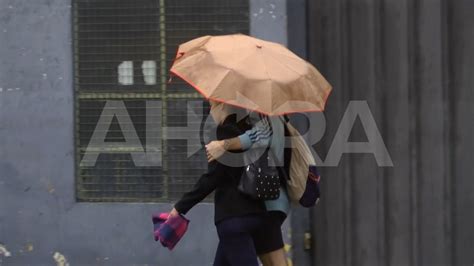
point(169, 230)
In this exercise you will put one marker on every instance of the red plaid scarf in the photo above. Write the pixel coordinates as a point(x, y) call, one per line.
point(169, 230)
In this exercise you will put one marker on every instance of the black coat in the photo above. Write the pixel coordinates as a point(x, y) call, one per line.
point(224, 179)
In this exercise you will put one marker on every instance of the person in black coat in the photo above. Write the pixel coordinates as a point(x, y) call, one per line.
point(239, 219)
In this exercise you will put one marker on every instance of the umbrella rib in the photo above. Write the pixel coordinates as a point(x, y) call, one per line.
point(290, 56)
point(265, 65)
point(240, 61)
point(302, 75)
point(286, 66)
point(238, 89)
point(233, 66)
point(220, 81)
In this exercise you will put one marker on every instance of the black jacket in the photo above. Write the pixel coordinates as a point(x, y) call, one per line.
point(229, 202)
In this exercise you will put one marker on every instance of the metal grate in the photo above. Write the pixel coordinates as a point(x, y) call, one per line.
point(123, 50)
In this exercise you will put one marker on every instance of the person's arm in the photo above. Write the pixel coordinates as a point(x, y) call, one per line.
point(259, 136)
point(204, 186)
point(217, 148)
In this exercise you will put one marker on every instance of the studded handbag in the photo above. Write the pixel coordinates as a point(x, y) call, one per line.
point(259, 180)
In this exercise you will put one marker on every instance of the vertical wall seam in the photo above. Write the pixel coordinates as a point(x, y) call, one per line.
point(77, 155)
point(418, 168)
point(377, 21)
point(348, 188)
point(164, 100)
point(449, 128)
point(382, 99)
point(413, 96)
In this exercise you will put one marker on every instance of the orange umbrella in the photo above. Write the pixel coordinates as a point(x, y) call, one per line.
point(251, 73)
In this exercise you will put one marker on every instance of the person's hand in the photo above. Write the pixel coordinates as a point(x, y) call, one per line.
point(214, 150)
point(173, 213)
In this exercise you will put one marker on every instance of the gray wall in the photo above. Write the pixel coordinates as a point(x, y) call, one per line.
point(38, 212)
point(413, 61)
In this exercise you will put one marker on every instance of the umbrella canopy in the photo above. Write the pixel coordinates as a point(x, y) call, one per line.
point(251, 73)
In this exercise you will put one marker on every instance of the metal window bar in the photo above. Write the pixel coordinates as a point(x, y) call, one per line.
point(108, 33)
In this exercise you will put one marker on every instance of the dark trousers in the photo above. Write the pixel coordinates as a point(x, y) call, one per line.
point(236, 245)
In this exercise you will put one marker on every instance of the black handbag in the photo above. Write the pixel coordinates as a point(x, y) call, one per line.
point(259, 180)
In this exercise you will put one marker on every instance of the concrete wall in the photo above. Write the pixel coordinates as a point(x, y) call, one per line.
point(412, 61)
point(38, 212)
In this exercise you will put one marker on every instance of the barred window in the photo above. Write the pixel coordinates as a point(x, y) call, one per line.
point(123, 50)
